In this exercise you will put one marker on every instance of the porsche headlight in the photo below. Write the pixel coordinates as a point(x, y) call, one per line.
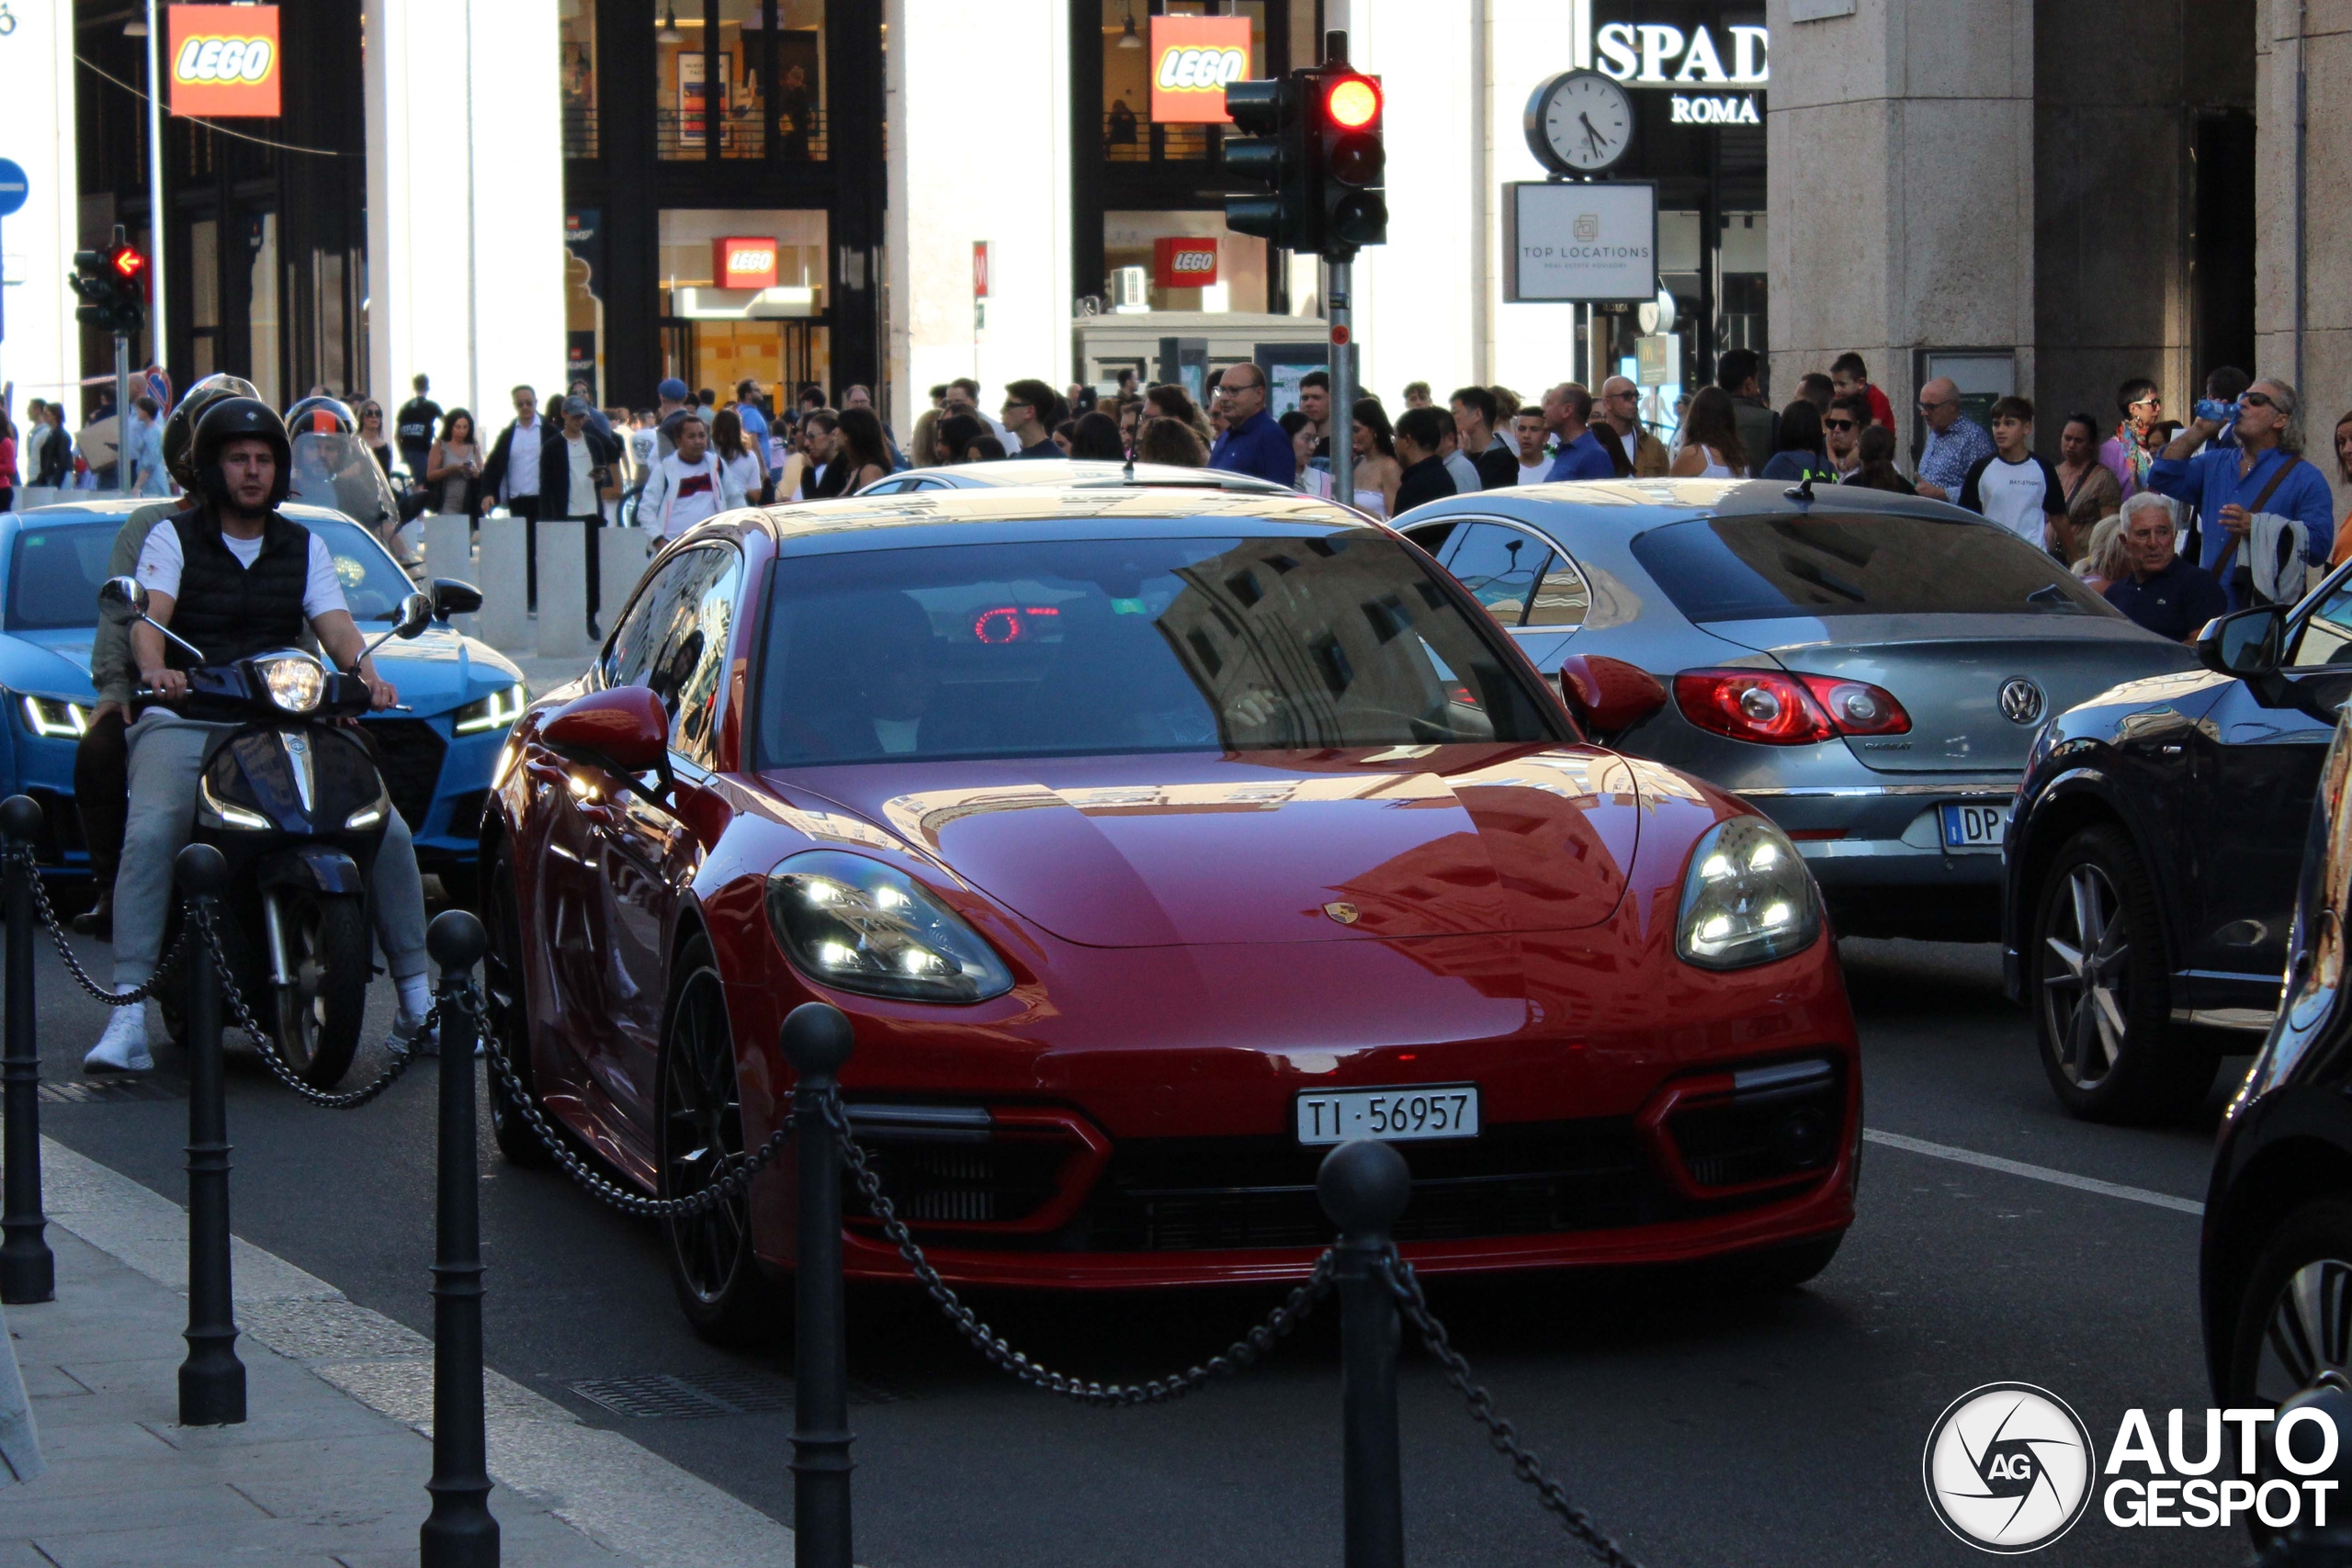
point(295, 680)
point(1746, 897)
point(54, 720)
point(497, 711)
point(860, 925)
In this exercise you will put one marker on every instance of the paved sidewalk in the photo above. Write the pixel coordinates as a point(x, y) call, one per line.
point(331, 1465)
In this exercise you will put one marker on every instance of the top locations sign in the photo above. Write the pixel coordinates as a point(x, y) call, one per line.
point(224, 61)
point(1582, 243)
point(1193, 58)
point(1656, 55)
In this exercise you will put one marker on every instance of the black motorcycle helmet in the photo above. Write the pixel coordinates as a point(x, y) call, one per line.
point(179, 430)
point(321, 416)
point(232, 419)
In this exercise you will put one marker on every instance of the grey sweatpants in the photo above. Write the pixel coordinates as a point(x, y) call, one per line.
point(166, 759)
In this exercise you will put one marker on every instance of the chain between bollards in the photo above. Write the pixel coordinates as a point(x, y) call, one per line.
point(213, 1381)
point(817, 1040)
point(28, 1271)
point(459, 1532)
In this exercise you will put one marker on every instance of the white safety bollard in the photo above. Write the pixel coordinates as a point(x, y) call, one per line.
point(620, 565)
point(563, 590)
point(504, 622)
point(449, 552)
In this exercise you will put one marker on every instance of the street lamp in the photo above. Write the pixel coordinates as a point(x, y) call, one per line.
point(1127, 39)
point(669, 32)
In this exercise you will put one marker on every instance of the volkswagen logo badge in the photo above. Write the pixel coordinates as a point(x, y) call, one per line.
point(2021, 700)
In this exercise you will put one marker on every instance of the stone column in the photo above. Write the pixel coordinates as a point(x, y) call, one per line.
point(2302, 267)
point(1900, 179)
point(43, 354)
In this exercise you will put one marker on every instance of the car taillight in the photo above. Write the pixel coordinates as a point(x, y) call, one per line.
point(1774, 709)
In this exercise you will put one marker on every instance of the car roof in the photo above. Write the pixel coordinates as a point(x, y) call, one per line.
point(1058, 471)
point(1004, 513)
point(1672, 500)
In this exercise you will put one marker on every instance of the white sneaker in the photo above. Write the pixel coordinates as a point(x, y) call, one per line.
point(411, 1034)
point(123, 1047)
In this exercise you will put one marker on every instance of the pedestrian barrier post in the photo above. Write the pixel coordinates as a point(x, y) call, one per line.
point(213, 1381)
point(620, 562)
point(1364, 1186)
point(459, 1532)
point(28, 1272)
point(563, 589)
point(505, 619)
point(449, 552)
point(817, 1042)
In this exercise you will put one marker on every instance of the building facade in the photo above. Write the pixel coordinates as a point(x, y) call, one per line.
point(2028, 195)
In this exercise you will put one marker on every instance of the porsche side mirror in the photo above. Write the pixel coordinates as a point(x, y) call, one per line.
point(1609, 695)
point(451, 597)
point(624, 728)
point(122, 600)
point(2245, 643)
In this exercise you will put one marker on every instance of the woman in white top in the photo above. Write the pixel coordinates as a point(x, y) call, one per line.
point(1376, 474)
point(736, 458)
point(1711, 446)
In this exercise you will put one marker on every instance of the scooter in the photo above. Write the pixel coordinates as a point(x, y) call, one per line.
point(294, 799)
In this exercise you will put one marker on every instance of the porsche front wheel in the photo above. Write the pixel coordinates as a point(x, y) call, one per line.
point(699, 1132)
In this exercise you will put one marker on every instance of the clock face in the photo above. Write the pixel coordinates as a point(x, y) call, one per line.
point(1581, 122)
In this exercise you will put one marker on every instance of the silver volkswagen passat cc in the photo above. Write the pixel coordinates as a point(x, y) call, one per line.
point(1868, 668)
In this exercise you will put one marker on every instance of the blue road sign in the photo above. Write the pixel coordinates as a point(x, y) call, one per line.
point(14, 187)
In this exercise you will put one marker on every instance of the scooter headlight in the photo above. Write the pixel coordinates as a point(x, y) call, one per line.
point(296, 681)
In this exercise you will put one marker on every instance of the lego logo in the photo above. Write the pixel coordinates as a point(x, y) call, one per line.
point(1202, 70)
point(1193, 261)
point(224, 60)
point(751, 261)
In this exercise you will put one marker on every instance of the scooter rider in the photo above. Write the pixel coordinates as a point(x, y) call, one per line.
point(239, 578)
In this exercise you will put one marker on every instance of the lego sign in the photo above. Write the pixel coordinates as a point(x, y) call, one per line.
point(1192, 59)
point(743, 263)
point(224, 61)
point(1184, 261)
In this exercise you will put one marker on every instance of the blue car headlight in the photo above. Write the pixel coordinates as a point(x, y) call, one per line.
point(1746, 897)
point(863, 926)
point(497, 711)
point(54, 719)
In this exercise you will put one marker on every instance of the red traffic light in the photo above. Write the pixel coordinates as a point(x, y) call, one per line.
point(129, 266)
point(1353, 102)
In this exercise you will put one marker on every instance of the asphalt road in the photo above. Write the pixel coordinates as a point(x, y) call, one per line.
point(1699, 1428)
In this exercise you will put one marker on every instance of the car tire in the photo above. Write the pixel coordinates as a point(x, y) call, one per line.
point(2293, 1323)
point(508, 1016)
point(319, 1016)
point(726, 1298)
point(2100, 990)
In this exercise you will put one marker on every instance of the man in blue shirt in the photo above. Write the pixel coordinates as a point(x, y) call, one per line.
point(1252, 443)
point(755, 424)
point(2264, 473)
point(1566, 409)
point(1955, 442)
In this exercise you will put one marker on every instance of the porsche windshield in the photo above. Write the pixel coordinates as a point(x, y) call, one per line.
point(1123, 645)
point(1755, 569)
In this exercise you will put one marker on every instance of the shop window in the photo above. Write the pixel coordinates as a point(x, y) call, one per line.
point(740, 79)
point(1136, 248)
point(1130, 135)
point(576, 75)
point(716, 335)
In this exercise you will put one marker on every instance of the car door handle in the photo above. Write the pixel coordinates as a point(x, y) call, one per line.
point(2170, 749)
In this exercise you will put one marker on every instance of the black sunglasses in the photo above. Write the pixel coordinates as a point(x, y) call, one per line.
point(1837, 425)
point(2258, 400)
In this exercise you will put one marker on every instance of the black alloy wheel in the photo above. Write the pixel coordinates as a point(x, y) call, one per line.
point(2101, 993)
point(699, 1133)
point(2293, 1327)
point(507, 1017)
point(331, 954)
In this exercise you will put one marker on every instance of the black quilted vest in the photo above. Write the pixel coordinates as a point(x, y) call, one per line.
point(231, 610)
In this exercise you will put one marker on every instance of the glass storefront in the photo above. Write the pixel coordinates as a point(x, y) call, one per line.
point(771, 332)
point(1131, 247)
point(740, 79)
point(1129, 133)
point(576, 78)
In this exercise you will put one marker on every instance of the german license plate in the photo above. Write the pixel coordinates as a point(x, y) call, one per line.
point(1968, 826)
point(1440, 1111)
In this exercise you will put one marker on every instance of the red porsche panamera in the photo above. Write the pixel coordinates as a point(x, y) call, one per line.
point(1154, 842)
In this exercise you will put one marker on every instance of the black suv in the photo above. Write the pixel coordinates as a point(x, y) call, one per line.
point(2151, 857)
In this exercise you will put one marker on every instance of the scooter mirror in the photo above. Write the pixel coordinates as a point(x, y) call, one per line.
point(416, 613)
point(122, 600)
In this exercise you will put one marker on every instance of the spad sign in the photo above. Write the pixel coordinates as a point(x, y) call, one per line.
point(1193, 58)
point(1657, 54)
point(224, 61)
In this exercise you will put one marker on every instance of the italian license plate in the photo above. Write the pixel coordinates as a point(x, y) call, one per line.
point(1968, 826)
point(1440, 1111)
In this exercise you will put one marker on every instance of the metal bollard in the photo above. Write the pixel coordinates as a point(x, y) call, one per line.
point(817, 1042)
point(459, 1532)
point(1364, 1186)
point(28, 1271)
point(213, 1381)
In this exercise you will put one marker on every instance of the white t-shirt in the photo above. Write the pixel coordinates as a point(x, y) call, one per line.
point(582, 500)
point(1534, 476)
point(744, 476)
point(160, 563)
point(2018, 496)
point(679, 494)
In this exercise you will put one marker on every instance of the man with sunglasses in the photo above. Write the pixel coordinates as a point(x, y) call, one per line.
point(1841, 434)
point(2125, 454)
point(2253, 496)
point(1620, 409)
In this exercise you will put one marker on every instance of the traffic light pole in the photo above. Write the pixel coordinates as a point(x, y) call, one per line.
point(122, 474)
point(1339, 282)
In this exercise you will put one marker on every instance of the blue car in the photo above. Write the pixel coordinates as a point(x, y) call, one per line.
point(463, 695)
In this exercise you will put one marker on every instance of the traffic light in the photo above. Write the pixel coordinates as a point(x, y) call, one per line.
point(1350, 160)
point(112, 285)
point(1278, 153)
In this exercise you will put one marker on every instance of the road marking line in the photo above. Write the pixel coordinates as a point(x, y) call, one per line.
point(2032, 1172)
